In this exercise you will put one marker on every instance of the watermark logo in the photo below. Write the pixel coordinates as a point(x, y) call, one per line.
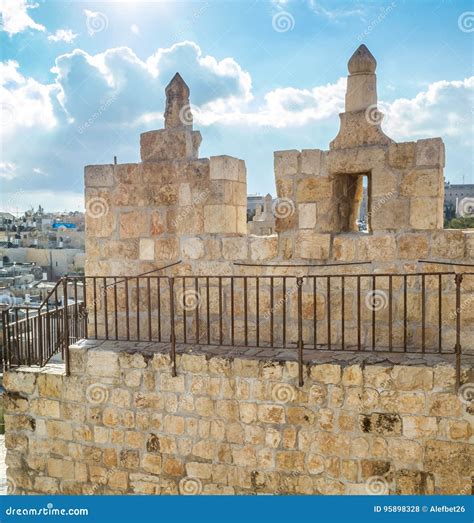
point(97, 393)
point(95, 22)
point(97, 207)
point(283, 21)
point(7, 114)
point(190, 486)
point(283, 393)
point(373, 116)
point(376, 300)
point(466, 22)
point(376, 486)
point(7, 300)
point(283, 208)
point(189, 299)
point(466, 393)
point(187, 112)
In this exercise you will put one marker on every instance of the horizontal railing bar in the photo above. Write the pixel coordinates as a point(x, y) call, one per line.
point(337, 264)
point(138, 275)
point(442, 262)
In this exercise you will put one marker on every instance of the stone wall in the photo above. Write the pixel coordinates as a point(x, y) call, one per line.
point(173, 205)
point(122, 424)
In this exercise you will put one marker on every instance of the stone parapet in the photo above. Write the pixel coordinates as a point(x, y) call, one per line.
point(122, 424)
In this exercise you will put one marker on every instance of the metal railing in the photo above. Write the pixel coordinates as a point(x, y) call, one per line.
point(392, 313)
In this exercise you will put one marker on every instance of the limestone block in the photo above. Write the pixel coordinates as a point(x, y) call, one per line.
point(220, 218)
point(357, 130)
point(127, 173)
point(284, 188)
point(100, 216)
point(416, 427)
point(192, 248)
point(413, 246)
point(381, 423)
point(103, 363)
point(414, 482)
point(430, 152)
point(15, 381)
point(163, 194)
point(169, 144)
point(314, 189)
point(225, 168)
point(184, 194)
point(326, 373)
point(448, 244)
point(401, 155)
point(241, 215)
point(344, 248)
point(412, 378)
point(424, 213)
point(389, 213)
point(239, 194)
point(133, 224)
point(122, 249)
point(423, 182)
point(166, 249)
point(384, 182)
point(263, 247)
point(310, 161)
point(99, 175)
point(380, 248)
point(235, 248)
point(307, 215)
point(356, 161)
point(312, 245)
point(271, 414)
point(147, 249)
point(286, 162)
point(157, 223)
point(443, 457)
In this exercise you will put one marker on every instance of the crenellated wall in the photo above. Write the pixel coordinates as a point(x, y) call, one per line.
point(174, 205)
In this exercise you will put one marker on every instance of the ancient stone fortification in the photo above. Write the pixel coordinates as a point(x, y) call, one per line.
point(173, 205)
point(240, 423)
point(122, 424)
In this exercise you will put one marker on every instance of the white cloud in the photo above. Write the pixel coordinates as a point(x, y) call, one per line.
point(24, 101)
point(63, 35)
point(7, 170)
point(334, 14)
point(444, 109)
point(284, 107)
point(135, 29)
point(15, 17)
point(38, 170)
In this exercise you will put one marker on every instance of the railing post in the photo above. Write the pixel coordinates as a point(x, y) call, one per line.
point(40, 338)
point(4, 332)
point(299, 283)
point(458, 280)
point(66, 327)
point(172, 327)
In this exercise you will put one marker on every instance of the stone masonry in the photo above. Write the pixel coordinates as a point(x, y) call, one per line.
point(240, 425)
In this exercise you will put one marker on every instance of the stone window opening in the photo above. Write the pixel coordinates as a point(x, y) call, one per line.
point(354, 201)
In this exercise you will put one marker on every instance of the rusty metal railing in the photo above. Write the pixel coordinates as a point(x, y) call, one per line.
point(358, 312)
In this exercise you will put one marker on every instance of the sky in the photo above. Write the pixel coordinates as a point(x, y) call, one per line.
point(80, 81)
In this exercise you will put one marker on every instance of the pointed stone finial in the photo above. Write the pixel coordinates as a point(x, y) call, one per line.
point(362, 61)
point(177, 112)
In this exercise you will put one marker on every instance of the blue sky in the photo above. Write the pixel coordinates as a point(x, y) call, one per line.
point(81, 80)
